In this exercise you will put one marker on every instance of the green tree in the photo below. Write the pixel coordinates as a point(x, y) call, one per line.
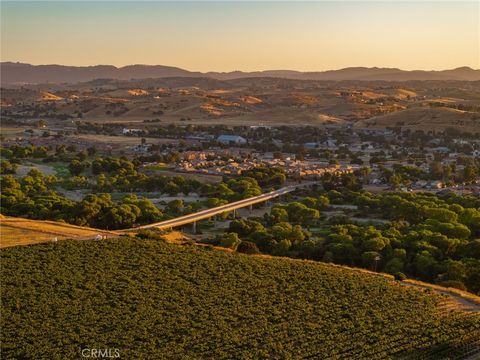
point(76, 167)
point(394, 266)
point(6, 167)
point(175, 207)
point(455, 270)
point(471, 218)
point(230, 240)
point(470, 173)
point(442, 215)
point(425, 265)
point(282, 247)
point(248, 247)
point(282, 230)
point(279, 214)
point(171, 188)
point(370, 259)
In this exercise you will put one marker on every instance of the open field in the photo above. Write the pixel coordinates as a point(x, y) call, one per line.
point(59, 169)
point(195, 302)
point(27, 167)
point(11, 132)
point(18, 231)
point(426, 119)
point(122, 140)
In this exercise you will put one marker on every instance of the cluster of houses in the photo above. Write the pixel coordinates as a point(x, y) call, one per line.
point(353, 142)
point(127, 132)
point(231, 140)
point(294, 168)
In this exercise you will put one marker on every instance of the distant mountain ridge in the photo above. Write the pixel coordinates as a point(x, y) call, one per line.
point(20, 73)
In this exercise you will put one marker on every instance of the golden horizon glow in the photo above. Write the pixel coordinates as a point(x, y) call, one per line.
point(246, 36)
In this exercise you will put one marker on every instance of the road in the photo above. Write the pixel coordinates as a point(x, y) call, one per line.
point(463, 303)
point(204, 214)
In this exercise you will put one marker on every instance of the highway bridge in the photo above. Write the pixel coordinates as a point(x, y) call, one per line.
point(208, 213)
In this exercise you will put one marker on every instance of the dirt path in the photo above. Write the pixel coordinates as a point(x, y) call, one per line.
point(463, 303)
point(24, 169)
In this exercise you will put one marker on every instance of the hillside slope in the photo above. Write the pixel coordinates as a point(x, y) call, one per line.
point(16, 231)
point(150, 299)
point(423, 118)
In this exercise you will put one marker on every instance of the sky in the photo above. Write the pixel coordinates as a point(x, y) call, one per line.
point(244, 35)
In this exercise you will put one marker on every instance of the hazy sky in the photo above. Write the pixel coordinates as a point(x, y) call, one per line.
point(227, 35)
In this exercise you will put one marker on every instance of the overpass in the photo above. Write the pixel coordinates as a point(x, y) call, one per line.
point(208, 213)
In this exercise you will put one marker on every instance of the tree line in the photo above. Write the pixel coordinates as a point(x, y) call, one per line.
point(426, 237)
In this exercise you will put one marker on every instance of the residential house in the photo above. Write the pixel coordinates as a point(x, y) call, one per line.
point(231, 140)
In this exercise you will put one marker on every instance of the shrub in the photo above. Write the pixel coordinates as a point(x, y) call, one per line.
point(400, 276)
point(248, 247)
point(230, 240)
point(339, 220)
point(150, 234)
point(210, 241)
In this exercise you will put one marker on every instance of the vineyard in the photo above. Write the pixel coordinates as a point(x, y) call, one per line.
point(152, 299)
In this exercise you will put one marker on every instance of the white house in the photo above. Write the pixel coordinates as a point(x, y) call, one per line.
point(131, 131)
point(441, 150)
point(231, 140)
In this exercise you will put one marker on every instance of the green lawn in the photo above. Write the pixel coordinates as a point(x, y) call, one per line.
point(159, 167)
point(61, 169)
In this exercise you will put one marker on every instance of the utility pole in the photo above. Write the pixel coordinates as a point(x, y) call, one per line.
point(377, 258)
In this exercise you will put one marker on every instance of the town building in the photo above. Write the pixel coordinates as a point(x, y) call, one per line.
point(231, 140)
point(126, 131)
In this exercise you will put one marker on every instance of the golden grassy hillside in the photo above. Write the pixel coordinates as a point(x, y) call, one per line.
point(423, 118)
point(19, 231)
point(46, 96)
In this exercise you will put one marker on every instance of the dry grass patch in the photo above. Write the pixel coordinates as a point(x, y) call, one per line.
point(46, 96)
point(19, 231)
point(252, 100)
point(211, 109)
point(175, 237)
point(424, 118)
point(138, 92)
point(372, 95)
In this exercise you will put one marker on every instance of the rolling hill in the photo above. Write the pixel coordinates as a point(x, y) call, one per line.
point(151, 299)
point(249, 101)
point(424, 118)
point(20, 73)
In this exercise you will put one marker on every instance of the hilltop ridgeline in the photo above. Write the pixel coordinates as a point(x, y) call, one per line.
point(15, 73)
